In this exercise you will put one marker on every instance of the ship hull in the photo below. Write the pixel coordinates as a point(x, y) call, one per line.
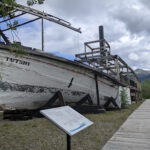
point(29, 81)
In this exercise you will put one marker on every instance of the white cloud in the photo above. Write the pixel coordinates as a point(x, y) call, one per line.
point(133, 56)
point(126, 27)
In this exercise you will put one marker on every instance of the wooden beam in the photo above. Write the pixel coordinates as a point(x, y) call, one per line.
point(21, 24)
point(13, 17)
point(4, 37)
point(43, 15)
point(88, 46)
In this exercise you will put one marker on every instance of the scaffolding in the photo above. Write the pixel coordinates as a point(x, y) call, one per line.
point(97, 54)
point(20, 10)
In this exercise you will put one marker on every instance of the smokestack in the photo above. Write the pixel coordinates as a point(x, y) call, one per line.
point(101, 33)
point(101, 37)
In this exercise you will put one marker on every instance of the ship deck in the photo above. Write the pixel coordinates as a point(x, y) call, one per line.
point(39, 53)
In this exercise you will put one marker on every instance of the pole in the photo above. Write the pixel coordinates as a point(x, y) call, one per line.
point(97, 90)
point(68, 142)
point(101, 38)
point(42, 34)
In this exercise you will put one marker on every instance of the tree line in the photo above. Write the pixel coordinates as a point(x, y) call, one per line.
point(146, 89)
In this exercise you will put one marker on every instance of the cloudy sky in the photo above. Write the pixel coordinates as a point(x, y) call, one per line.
point(126, 26)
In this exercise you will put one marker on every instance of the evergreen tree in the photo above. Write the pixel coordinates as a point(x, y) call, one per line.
point(124, 98)
point(146, 89)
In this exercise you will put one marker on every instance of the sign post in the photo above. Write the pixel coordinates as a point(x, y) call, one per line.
point(68, 142)
point(67, 119)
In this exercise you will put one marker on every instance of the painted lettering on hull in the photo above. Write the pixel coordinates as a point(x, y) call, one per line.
point(17, 61)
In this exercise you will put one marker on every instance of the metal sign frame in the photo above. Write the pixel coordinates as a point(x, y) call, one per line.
point(66, 113)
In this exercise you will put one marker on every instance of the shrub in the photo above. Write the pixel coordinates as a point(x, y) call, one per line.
point(124, 98)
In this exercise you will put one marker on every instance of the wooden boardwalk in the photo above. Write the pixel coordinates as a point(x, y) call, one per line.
point(134, 134)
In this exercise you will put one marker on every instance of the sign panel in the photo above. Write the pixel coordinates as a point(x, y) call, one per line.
point(66, 118)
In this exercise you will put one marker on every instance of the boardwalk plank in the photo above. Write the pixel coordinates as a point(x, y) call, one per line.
point(134, 134)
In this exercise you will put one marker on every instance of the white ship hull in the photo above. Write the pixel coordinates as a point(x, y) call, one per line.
point(28, 82)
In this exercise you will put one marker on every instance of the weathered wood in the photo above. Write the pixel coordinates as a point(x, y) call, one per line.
point(134, 133)
point(109, 101)
point(42, 74)
point(12, 17)
point(52, 100)
point(97, 90)
point(89, 109)
point(85, 99)
point(21, 24)
point(43, 15)
point(4, 37)
point(100, 58)
point(18, 114)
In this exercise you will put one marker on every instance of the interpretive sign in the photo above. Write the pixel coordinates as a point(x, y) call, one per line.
point(66, 118)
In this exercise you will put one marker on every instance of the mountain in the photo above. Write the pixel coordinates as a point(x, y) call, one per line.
point(143, 74)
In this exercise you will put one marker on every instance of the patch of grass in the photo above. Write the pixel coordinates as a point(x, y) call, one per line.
point(41, 134)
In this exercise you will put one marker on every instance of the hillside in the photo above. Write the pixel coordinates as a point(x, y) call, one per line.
point(143, 74)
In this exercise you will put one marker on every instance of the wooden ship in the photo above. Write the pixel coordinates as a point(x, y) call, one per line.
point(33, 81)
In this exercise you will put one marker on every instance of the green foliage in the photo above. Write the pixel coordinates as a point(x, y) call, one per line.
point(4, 9)
point(124, 98)
point(18, 49)
point(12, 3)
point(32, 2)
point(13, 25)
point(146, 89)
point(8, 6)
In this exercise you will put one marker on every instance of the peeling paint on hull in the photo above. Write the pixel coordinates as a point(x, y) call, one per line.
point(30, 84)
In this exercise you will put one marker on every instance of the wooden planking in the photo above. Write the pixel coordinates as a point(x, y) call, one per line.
point(38, 71)
point(134, 134)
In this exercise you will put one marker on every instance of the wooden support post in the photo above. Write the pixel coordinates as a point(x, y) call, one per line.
point(86, 98)
point(109, 101)
point(58, 95)
point(128, 77)
point(97, 90)
point(134, 79)
point(4, 37)
point(117, 69)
